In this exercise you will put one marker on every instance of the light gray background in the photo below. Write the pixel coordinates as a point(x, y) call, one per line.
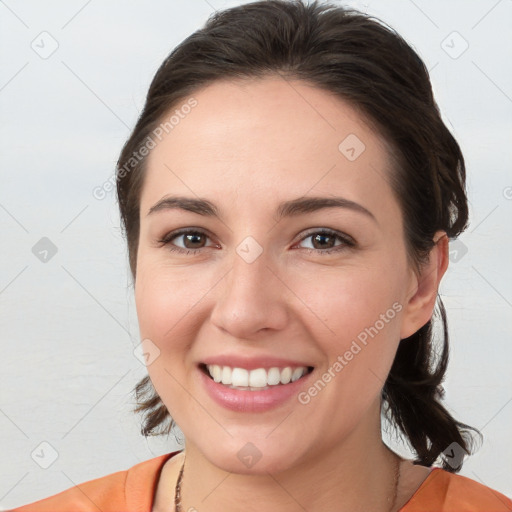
point(68, 326)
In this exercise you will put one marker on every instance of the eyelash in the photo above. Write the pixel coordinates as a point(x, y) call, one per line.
point(347, 242)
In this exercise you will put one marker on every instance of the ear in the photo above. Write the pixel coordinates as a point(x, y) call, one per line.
point(421, 298)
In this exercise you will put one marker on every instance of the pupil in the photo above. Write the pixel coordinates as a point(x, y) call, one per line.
point(195, 236)
point(320, 236)
point(196, 239)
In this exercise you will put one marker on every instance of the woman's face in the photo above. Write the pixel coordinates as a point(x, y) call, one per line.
point(254, 286)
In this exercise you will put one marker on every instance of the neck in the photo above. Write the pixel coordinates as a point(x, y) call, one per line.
point(358, 474)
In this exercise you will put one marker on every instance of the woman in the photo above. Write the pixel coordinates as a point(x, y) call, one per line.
point(288, 194)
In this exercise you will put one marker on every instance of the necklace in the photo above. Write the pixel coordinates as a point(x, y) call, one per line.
point(177, 491)
point(395, 484)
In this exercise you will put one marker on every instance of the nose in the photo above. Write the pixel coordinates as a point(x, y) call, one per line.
point(251, 298)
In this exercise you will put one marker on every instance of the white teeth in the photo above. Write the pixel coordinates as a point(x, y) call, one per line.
point(286, 375)
point(239, 377)
point(216, 373)
point(273, 376)
point(259, 378)
point(226, 375)
point(297, 374)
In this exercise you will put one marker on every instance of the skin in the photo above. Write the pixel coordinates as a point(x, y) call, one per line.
point(246, 147)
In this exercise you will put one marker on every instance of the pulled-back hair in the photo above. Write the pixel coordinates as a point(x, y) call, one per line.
point(368, 65)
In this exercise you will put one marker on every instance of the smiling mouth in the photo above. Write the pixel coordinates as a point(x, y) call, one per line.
point(254, 380)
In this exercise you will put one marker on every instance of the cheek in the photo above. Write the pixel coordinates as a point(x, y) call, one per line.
point(345, 302)
point(167, 310)
point(165, 298)
point(357, 326)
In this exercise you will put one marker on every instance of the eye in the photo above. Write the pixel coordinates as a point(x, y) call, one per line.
point(192, 239)
point(324, 241)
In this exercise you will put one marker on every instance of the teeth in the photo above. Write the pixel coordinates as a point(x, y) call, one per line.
point(239, 377)
point(273, 376)
point(216, 373)
point(255, 379)
point(286, 375)
point(297, 374)
point(226, 375)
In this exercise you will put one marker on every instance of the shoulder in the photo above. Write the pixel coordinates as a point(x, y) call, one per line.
point(443, 491)
point(132, 490)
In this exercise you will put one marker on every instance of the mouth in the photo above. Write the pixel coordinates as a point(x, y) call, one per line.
point(258, 379)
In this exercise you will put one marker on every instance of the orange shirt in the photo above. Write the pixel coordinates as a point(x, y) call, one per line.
point(133, 491)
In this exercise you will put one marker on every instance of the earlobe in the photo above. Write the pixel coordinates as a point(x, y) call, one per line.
point(421, 298)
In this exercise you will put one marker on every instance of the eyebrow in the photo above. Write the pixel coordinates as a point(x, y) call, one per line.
point(294, 207)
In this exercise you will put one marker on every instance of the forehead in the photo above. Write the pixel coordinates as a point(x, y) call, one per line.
point(273, 137)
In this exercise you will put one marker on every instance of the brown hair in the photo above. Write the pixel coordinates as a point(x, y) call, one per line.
point(367, 64)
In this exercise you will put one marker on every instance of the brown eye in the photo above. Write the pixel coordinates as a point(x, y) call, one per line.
point(193, 240)
point(186, 241)
point(325, 241)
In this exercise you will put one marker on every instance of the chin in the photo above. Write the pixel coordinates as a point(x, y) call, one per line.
point(257, 457)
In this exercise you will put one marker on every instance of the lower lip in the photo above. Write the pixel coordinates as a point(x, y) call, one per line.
point(252, 401)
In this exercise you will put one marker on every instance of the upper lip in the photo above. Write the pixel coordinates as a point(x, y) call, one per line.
point(252, 363)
